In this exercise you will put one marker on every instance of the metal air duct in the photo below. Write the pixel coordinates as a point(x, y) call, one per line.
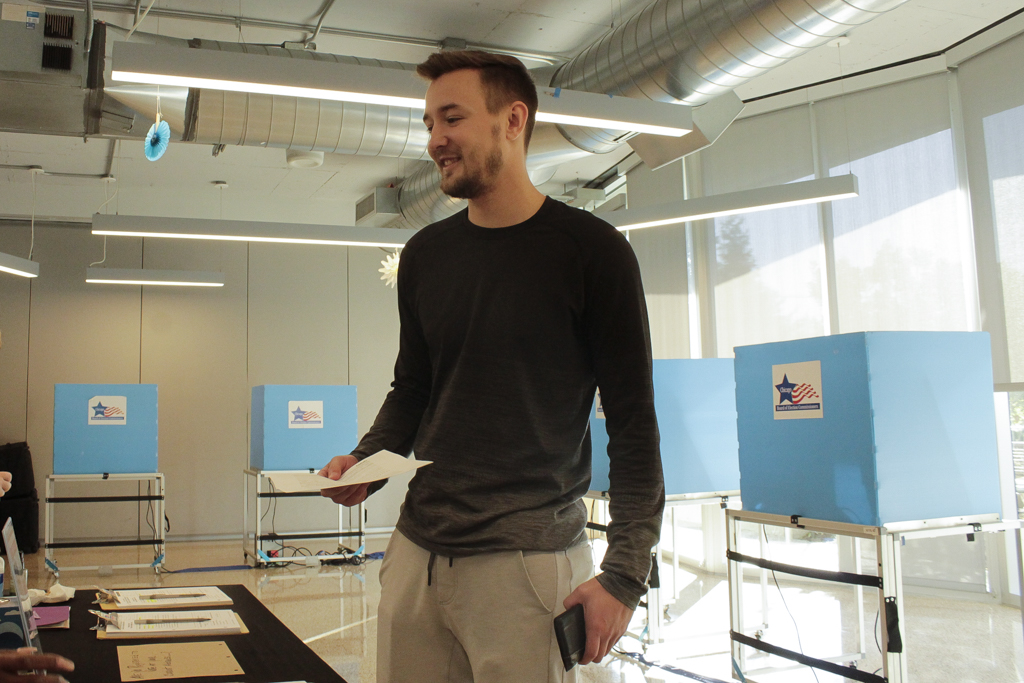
point(690, 51)
point(230, 118)
point(687, 52)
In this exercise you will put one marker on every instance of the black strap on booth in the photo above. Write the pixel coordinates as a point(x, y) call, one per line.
point(293, 494)
point(894, 642)
point(102, 544)
point(304, 536)
point(824, 575)
point(831, 667)
point(102, 499)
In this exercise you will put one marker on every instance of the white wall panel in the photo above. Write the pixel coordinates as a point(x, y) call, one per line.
point(298, 334)
point(193, 348)
point(14, 321)
point(80, 333)
point(373, 340)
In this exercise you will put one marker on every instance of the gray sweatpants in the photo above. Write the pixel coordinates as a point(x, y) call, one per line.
point(482, 619)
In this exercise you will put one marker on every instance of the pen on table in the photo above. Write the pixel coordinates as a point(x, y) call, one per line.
point(166, 596)
point(171, 621)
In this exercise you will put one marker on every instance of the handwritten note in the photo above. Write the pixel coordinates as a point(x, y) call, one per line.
point(176, 660)
point(380, 465)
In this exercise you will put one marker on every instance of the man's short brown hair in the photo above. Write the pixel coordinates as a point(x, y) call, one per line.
point(505, 79)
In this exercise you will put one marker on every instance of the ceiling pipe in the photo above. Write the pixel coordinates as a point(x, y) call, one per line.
point(680, 51)
point(690, 52)
point(302, 28)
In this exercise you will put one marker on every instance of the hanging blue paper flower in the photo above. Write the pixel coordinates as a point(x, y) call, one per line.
point(157, 139)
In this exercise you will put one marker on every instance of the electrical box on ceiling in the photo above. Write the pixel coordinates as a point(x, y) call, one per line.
point(378, 208)
point(41, 41)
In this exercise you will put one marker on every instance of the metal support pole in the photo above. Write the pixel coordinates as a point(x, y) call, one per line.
point(675, 557)
point(655, 610)
point(245, 514)
point(762, 544)
point(48, 527)
point(158, 560)
point(860, 597)
point(1020, 575)
point(893, 663)
point(735, 577)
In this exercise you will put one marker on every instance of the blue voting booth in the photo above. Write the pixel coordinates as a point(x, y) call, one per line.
point(695, 400)
point(104, 428)
point(868, 428)
point(297, 427)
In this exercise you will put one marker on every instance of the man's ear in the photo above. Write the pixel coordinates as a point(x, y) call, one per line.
point(518, 115)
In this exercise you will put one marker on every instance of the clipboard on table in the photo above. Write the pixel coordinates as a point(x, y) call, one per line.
point(127, 625)
point(192, 597)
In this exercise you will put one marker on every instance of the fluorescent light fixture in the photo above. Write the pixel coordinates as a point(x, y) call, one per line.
point(342, 81)
point(147, 276)
point(18, 266)
point(248, 231)
point(618, 113)
point(747, 201)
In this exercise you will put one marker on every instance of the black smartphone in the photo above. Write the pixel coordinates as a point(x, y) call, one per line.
point(571, 633)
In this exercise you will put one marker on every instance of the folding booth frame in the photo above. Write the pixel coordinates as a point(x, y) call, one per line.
point(156, 479)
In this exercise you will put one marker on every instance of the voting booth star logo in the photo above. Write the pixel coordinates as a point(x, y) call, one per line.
point(798, 393)
point(108, 410)
point(305, 414)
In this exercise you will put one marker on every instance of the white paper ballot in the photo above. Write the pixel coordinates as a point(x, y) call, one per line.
point(380, 465)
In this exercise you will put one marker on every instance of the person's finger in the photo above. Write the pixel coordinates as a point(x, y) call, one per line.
point(27, 661)
point(593, 646)
point(606, 647)
point(351, 495)
point(333, 493)
point(334, 469)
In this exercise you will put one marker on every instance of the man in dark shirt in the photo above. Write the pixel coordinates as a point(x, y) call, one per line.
point(512, 313)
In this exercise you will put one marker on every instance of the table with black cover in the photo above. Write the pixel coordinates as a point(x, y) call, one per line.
point(269, 653)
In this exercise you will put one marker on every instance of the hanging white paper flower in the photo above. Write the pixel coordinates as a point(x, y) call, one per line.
point(390, 269)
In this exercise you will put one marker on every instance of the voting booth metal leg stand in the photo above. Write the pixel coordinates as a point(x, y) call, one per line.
point(155, 498)
point(888, 541)
point(744, 636)
point(257, 489)
point(656, 603)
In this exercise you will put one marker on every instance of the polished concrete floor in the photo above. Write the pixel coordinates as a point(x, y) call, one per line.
point(333, 609)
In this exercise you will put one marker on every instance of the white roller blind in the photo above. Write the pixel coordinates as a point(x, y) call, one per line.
point(900, 246)
point(993, 104)
point(661, 253)
point(767, 273)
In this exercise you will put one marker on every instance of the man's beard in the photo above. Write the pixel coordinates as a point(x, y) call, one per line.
point(472, 186)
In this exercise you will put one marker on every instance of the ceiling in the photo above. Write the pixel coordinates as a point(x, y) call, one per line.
point(260, 184)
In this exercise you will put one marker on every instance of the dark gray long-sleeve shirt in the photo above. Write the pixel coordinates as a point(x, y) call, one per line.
point(505, 335)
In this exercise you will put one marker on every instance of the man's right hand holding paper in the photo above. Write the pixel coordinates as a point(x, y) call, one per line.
point(343, 495)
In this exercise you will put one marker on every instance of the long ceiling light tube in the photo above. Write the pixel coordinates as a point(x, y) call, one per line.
point(148, 276)
point(328, 80)
point(730, 203)
point(15, 265)
point(248, 231)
